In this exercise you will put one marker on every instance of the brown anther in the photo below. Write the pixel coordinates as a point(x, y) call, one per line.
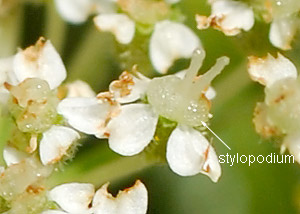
point(106, 134)
point(7, 85)
point(35, 190)
point(107, 97)
point(280, 98)
point(122, 85)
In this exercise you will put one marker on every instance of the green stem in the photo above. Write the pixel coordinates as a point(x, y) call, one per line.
point(114, 167)
point(55, 27)
point(10, 27)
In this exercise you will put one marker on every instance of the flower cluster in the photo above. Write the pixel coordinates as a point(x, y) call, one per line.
point(231, 17)
point(279, 114)
point(130, 127)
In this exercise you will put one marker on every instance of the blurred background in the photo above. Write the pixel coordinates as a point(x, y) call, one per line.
point(97, 59)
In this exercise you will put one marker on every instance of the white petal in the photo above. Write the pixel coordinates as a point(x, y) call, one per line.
point(292, 142)
point(228, 16)
point(2, 169)
point(129, 88)
point(73, 197)
point(53, 212)
point(237, 14)
point(130, 201)
point(120, 25)
point(268, 70)
point(172, 1)
point(189, 153)
point(84, 114)
point(13, 156)
point(74, 11)
point(4, 95)
point(171, 41)
point(79, 88)
point(133, 129)
point(40, 61)
point(210, 93)
point(282, 32)
point(55, 143)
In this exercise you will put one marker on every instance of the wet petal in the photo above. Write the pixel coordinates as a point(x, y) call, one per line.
point(131, 200)
point(282, 32)
point(120, 25)
point(55, 143)
point(40, 61)
point(84, 114)
point(73, 197)
point(129, 88)
point(74, 11)
point(292, 143)
point(13, 156)
point(189, 153)
point(268, 70)
point(171, 41)
point(228, 16)
point(79, 88)
point(2, 169)
point(132, 130)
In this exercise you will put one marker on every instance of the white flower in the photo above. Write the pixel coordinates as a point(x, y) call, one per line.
point(120, 25)
point(292, 143)
point(188, 152)
point(55, 143)
point(171, 41)
point(78, 11)
point(75, 198)
point(228, 16)
point(13, 156)
point(269, 70)
point(282, 32)
point(38, 61)
point(86, 114)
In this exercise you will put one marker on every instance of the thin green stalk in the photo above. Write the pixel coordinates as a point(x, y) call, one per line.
point(55, 27)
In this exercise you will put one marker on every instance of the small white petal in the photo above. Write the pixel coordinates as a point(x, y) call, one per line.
point(189, 153)
point(2, 169)
point(129, 88)
point(133, 129)
point(13, 156)
point(172, 1)
point(53, 212)
point(84, 114)
point(79, 88)
point(4, 95)
point(74, 11)
point(130, 201)
point(171, 41)
point(40, 61)
point(55, 143)
point(210, 93)
point(237, 14)
point(228, 16)
point(73, 197)
point(120, 25)
point(268, 70)
point(282, 32)
point(292, 142)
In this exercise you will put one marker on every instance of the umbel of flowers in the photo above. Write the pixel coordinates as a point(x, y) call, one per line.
point(129, 114)
point(30, 94)
point(279, 114)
